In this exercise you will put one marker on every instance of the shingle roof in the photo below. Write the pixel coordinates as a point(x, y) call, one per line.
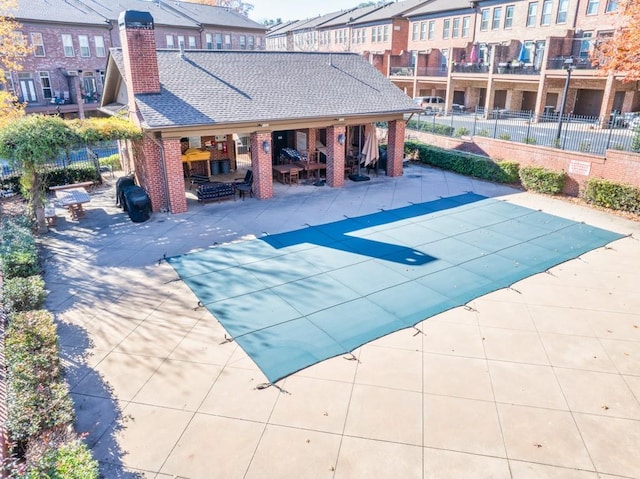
point(56, 11)
point(389, 11)
point(212, 87)
point(162, 15)
point(437, 6)
point(210, 15)
point(349, 16)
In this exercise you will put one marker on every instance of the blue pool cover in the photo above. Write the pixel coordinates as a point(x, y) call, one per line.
point(293, 299)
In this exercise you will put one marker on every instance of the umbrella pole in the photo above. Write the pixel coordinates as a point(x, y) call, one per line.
point(359, 176)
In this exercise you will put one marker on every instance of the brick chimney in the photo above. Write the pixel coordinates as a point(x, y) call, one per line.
point(139, 51)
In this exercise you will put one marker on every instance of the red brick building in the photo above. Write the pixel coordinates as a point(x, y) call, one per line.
point(315, 103)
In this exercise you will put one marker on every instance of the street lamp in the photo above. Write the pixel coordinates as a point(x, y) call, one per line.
point(567, 65)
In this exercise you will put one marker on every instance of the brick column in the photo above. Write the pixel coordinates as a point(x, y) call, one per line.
point(175, 176)
point(335, 157)
point(311, 142)
point(395, 148)
point(261, 165)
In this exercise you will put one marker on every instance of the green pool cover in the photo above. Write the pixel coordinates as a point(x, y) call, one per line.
point(293, 299)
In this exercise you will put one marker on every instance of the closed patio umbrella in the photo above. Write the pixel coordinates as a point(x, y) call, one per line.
point(370, 148)
point(473, 58)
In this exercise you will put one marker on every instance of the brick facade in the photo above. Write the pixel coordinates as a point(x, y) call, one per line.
point(261, 165)
point(395, 148)
point(335, 156)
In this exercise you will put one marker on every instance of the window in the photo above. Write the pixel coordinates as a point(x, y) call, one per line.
point(67, 44)
point(508, 16)
point(218, 41)
point(243, 42)
point(592, 7)
point(8, 83)
point(415, 31)
point(38, 44)
point(250, 42)
point(586, 44)
point(532, 14)
point(497, 17)
point(208, 40)
point(446, 28)
point(181, 43)
point(192, 42)
point(100, 49)
point(385, 33)
point(465, 27)
point(227, 41)
point(443, 59)
point(432, 30)
point(456, 28)
point(18, 37)
point(170, 43)
point(526, 55)
point(45, 81)
point(612, 6)
point(27, 87)
point(546, 12)
point(85, 51)
point(484, 19)
point(563, 6)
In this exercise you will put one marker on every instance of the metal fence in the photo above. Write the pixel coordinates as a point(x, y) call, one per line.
point(80, 157)
point(569, 132)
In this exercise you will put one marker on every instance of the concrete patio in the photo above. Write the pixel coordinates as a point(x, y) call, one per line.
point(541, 380)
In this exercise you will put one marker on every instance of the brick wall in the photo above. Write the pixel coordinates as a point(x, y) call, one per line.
point(140, 61)
point(618, 166)
point(175, 178)
point(395, 148)
point(335, 157)
point(261, 166)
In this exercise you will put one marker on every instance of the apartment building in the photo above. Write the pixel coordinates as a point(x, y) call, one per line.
point(491, 54)
point(71, 38)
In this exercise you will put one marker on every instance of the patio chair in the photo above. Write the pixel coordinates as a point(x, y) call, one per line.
point(245, 185)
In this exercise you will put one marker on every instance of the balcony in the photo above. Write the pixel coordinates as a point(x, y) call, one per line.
point(557, 63)
point(516, 68)
point(470, 68)
point(401, 71)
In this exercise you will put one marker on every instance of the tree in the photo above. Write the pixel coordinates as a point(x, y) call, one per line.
point(620, 53)
point(33, 142)
point(13, 47)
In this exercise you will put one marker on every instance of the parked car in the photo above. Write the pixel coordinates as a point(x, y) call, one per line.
point(430, 103)
point(632, 120)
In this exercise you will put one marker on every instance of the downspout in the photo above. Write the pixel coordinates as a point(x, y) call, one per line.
point(167, 205)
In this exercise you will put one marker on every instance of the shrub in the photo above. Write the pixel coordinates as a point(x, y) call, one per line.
point(112, 161)
point(19, 264)
point(612, 195)
point(464, 163)
point(542, 180)
point(635, 142)
point(584, 146)
point(37, 397)
point(529, 140)
point(483, 132)
point(511, 170)
point(23, 294)
point(430, 127)
point(74, 174)
point(462, 131)
point(70, 459)
point(504, 136)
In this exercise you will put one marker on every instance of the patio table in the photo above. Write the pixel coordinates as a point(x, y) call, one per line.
point(73, 199)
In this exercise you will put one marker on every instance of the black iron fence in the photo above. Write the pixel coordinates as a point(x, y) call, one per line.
point(79, 157)
point(569, 132)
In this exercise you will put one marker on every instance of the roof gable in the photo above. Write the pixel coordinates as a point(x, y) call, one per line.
point(214, 87)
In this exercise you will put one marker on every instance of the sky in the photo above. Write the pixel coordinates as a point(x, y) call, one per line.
point(296, 9)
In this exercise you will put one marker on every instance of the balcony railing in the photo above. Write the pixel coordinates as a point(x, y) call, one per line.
point(516, 68)
point(558, 63)
point(421, 71)
point(470, 68)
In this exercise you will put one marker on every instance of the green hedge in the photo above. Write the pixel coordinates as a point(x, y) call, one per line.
point(615, 196)
point(430, 127)
point(37, 396)
point(465, 163)
point(112, 161)
point(23, 294)
point(18, 251)
point(74, 174)
point(69, 459)
point(542, 180)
